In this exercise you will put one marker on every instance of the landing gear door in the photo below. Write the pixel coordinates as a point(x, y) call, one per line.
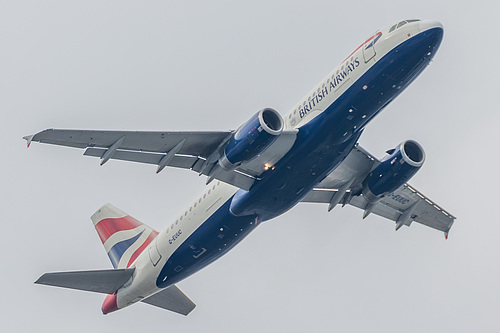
point(369, 47)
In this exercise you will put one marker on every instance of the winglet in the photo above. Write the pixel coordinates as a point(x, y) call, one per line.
point(28, 139)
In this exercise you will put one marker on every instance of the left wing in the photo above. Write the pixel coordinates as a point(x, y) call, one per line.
point(403, 206)
point(197, 151)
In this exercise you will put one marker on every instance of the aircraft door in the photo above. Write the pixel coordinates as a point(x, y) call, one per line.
point(369, 48)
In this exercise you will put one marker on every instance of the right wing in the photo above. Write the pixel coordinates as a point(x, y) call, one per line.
point(197, 151)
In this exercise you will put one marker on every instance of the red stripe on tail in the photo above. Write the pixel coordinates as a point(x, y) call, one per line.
point(105, 228)
point(142, 247)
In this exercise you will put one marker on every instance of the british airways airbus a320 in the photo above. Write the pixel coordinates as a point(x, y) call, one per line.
point(261, 170)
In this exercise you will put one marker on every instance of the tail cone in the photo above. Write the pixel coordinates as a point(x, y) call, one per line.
point(109, 304)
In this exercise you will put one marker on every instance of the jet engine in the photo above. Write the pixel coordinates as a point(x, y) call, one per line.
point(394, 170)
point(252, 138)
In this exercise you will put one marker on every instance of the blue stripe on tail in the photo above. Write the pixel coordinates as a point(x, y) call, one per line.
point(117, 251)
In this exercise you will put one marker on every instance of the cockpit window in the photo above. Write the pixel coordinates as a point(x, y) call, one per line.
point(400, 24)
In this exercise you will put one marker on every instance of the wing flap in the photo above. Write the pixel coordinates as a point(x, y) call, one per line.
point(194, 163)
point(99, 281)
point(172, 299)
point(182, 161)
point(425, 211)
point(393, 206)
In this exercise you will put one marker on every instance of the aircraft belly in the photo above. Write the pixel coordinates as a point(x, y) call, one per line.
point(336, 131)
point(211, 240)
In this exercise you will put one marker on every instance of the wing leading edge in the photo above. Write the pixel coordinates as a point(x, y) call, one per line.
point(197, 151)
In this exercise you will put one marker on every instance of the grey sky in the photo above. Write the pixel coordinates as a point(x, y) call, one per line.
point(199, 65)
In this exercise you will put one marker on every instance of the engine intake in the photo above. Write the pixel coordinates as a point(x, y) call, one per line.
point(394, 170)
point(252, 138)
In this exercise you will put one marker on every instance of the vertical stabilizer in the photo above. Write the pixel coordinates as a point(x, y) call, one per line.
point(123, 237)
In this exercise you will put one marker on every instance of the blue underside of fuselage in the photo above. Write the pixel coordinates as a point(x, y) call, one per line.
point(321, 145)
point(217, 235)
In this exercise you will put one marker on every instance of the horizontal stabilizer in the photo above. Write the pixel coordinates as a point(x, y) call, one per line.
point(100, 281)
point(172, 299)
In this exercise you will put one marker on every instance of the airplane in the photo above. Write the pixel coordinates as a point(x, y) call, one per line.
point(260, 171)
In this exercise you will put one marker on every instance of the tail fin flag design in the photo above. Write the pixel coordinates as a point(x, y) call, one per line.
point(123, 237)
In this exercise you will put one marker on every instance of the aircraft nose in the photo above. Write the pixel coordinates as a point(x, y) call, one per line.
point(431, 35)
point(428, 25)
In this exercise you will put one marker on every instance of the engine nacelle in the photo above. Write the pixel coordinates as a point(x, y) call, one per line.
point(394, 170)
point(252, 138)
